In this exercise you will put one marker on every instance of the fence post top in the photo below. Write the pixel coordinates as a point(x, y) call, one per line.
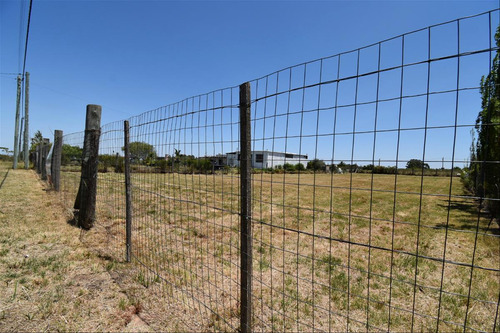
point(93, 118)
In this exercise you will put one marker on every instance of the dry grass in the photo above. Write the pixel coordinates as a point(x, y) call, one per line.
point(323, 248)
point(49, 280)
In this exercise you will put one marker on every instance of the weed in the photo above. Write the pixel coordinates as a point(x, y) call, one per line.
point(122, 304)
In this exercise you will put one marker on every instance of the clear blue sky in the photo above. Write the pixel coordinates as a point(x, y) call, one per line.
point(134, 56)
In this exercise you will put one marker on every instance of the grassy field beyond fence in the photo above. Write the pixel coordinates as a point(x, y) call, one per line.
point(331, 252)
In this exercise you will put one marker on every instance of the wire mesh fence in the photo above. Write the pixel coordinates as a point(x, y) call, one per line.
point(363, 213)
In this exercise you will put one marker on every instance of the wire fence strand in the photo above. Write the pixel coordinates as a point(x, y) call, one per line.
point(362, 218)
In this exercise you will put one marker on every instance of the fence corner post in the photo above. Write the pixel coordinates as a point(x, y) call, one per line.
point(55, 164)
point(128, 193)
point(246, 210)
point(87, 192)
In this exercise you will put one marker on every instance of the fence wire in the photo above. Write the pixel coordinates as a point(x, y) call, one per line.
point(362, 220)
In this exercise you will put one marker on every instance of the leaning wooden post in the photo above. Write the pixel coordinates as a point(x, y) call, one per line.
point(55, 165)
point(246, 211)
point(128, 194)
point(44, 151)
point(87, 192)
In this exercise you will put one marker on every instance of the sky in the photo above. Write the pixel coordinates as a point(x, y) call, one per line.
point(135, 56)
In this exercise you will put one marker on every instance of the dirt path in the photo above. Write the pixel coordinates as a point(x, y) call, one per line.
point(50, 281)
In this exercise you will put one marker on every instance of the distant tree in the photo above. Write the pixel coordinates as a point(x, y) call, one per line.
point(300, 167)
point(316, 165)
point(141, 152)
point(36, 140)
point(70, 153)
point(334, 168)
point(368, 167)
point(288, 167)
point(203, 165)
point(483, 176)
point(416, 164)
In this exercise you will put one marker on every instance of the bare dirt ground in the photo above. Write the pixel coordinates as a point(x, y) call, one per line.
point(50, 280)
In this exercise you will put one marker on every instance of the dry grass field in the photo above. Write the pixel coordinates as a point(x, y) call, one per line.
point(331, 252)
point(50, 280)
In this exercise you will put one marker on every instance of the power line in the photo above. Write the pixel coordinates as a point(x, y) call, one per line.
point(22, 6)
point(27, 36)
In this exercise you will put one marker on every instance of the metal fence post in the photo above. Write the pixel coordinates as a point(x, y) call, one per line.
point(246, 210)
point(55, 165)
point(128, 193)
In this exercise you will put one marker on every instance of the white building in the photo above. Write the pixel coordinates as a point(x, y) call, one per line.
point(263, 159)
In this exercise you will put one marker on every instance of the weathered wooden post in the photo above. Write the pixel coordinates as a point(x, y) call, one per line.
point(44, 152)
point(128, 194)
point(246, 210)
point(55, 166)
point(87, 192)
point(39, 158)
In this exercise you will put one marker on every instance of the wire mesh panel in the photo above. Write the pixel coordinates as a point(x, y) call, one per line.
point(71, 161)
point(362, 222)
point(374, 190)
point(110, 204)
point(185, 203)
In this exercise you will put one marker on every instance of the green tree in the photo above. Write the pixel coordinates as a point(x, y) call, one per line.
point(141, 152)
point(300, 167)
point(70, 154)
point(484, 170)
point(36, 140)
point(316, 165)
point(416, 164)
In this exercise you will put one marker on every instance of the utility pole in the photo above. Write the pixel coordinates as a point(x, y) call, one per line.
point(20, 139)
point(26, 121)
point(16, 127)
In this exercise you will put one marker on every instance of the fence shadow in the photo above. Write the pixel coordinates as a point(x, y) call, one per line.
point(472, 208)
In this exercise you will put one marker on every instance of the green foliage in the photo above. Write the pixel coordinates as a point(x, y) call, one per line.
point(107, 161)
point(36, 140)
point(5, 154)
point(141, 152)
point(483, 174)
point(300, 167)
point(416, 164)
point(288, 167)
point(316, 165)
point(71, 154)
point(379, 169)
point(184, 164)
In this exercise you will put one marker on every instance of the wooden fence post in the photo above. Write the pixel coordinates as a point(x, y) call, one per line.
point(44, 152)
point(128, 193)
point(87, 192)
point(55, 166)
point(39, 158)
point(246, 210)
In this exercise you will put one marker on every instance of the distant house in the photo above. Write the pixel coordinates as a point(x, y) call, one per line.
point(263, 159)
